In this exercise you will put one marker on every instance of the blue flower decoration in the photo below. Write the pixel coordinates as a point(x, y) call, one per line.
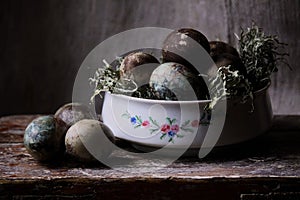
point(171, 134)
point(133, 120)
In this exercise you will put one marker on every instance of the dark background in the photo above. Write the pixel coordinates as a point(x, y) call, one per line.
point(44, 42)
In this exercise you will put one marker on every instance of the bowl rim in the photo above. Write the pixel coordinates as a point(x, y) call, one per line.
point(142, 100)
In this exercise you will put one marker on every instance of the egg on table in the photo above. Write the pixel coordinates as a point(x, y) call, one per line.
point(70, 113)
point(43, 138)
point(89, 132)
point(171, 80)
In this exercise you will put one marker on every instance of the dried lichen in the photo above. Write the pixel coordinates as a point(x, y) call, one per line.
point(229, 84)
point(261, 54)
point(105, 79)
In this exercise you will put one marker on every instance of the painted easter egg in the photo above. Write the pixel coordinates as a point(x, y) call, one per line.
point(173, 79)
point(70, 113)
point(43, 138)
point(219, 47)
point(88, 132)
point(138, 67)
point(226, 59)
point(183, 43)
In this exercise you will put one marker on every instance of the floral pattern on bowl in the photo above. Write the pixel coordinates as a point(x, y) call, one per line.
point(170, 129)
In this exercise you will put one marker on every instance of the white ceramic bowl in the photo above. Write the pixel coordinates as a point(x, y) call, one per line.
point(241, 124)
point(156, 123)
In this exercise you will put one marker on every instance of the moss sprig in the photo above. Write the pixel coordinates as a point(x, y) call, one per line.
point(108, 79)
point(105, 79)
point(229, 84)
point(261, 54)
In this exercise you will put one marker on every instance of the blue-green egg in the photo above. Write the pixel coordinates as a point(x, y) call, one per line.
point(43, 138)
point(173, 79)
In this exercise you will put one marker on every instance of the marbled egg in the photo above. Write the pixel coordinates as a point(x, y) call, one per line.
point(138, 66)
point(171, 79)
point(43, 138)
point(70, 113)
point(92, 133)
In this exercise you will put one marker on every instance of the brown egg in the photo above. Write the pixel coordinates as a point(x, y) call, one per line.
point(89, 132)
point(226, 59)
point(70, 113)
point(138, 66)
point(182, 42)
point(218, 47)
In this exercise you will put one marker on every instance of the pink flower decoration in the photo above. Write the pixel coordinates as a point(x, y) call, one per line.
point(195, 123)
point(146, 123)
point(175, 128)
point(165, 128)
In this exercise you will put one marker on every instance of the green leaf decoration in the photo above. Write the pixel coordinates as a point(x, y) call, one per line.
point(186, 123)
point(153, 130)
point(162, 136)
point(169, 120)
point(137, 126)
point(139, 119)
point(173, 120)
point(154, 122)
point(187, 129)
point(127, 115)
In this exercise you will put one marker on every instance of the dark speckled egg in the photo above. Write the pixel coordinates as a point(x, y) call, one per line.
point(138, 66)
point(219, 47)
point(43, 138)
point(70, 113)
point(171, 79)
point(226, 59)
point(182, 42)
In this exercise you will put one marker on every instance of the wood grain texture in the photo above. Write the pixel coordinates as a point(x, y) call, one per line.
point(266, 165)
point(44, 42)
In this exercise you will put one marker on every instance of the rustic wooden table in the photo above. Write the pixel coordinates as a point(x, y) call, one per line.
point(265, 168)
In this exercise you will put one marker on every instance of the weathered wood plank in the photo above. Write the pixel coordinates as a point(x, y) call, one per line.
point(12, 127)
point(145, 189)
point(267, 165)
point(275, 154)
